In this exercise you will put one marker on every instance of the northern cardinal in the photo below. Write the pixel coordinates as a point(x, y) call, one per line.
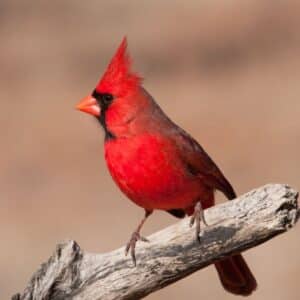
point(155, 162)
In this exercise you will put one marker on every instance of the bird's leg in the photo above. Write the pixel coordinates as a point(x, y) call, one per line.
point(197, 216)
point(136, 237)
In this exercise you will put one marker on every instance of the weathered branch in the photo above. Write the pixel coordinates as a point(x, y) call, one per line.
point(173, 253)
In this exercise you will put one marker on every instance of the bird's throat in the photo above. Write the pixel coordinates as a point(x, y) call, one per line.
point(102, 120)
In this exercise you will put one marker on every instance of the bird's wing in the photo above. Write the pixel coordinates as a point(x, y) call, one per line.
point(200, 164)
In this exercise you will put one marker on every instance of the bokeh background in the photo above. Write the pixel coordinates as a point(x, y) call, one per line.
point(226, 71)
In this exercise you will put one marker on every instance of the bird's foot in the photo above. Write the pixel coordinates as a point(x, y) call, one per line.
point(197, 216)
point(131, 245)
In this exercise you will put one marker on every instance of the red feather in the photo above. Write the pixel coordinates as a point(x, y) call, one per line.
point(118, 78)
point(156, 163)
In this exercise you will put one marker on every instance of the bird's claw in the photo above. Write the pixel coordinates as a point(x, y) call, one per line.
point(197, 217)
point(131, 245)
point(192, 220)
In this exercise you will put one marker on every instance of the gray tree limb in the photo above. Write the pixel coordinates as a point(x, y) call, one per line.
point(173, 253)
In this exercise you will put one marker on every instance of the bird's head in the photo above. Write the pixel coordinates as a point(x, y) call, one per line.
point(118, 95)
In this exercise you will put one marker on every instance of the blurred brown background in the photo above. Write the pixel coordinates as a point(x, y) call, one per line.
point(226, 71)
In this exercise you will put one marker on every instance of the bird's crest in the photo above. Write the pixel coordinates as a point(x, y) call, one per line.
point(118, 78)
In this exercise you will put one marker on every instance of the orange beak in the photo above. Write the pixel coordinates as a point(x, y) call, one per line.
point(89, 105)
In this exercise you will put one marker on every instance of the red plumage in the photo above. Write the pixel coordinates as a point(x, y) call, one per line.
point(156, 163)
point(170, 185)
point(118, 79)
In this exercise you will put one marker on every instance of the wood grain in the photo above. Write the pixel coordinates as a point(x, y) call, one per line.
point(172, 254)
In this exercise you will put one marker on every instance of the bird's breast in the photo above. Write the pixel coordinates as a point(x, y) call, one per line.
point(148, 169)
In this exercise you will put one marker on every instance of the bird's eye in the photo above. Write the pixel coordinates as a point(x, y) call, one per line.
point(107, 98)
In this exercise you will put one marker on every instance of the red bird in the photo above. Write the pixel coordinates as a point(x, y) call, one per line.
point(156, 163)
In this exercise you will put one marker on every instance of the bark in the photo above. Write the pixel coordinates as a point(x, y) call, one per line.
point(172, 254)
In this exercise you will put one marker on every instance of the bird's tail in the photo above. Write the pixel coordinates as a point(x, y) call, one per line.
point(236, 276)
